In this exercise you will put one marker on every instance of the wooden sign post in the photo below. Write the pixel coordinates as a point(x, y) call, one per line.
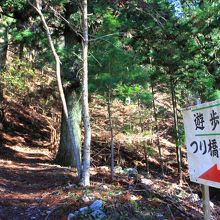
point(206, 202)
point(205, 193)
point(202, 132)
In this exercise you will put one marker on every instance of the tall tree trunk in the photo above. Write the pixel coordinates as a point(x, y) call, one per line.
point(156, 128)
point(178, 139)
point(3, 46)
point(85, 104)
point(111, 134)
point(62, 96)
point(3, 59)
point(21, 50)
point(140, 115)
point(176, 131)
point(65, 155)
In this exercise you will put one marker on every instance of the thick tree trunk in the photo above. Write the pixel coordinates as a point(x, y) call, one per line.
point(85, 104)
point(62, 96)
point(3, 45)
point(65, 155)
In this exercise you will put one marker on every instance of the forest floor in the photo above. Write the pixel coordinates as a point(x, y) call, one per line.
point(33, 187)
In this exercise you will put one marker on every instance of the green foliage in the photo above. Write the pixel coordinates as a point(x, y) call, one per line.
point(136, 92)
point(22, 35)
point(6, 21)
point(149, 149)
point(17, 77)
point(17, 5)
point(127, 128)
point(215, 95)
point(133, 45)
point(110, 22)
point(75, 18)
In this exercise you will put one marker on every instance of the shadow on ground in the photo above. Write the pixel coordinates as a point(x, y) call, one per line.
point(30, 185)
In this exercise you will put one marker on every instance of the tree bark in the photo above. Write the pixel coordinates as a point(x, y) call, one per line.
point(65, 155)
point(3, 59)
point(3, 46)
point(156, 128)
point(21, 50)
point(176, 131)
point(85, 104)
point(62, 96)
point(111, 135)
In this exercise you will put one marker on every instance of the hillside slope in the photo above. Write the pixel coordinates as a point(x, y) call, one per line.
point(33, 187)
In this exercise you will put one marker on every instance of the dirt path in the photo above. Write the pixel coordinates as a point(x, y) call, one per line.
point(30, 186)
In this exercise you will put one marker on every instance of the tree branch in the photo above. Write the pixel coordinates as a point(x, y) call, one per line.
point(61, 91)
point(58, 15)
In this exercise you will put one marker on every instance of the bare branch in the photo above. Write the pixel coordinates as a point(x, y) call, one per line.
point(101, 37)
point(58, 15)
point(95, 59)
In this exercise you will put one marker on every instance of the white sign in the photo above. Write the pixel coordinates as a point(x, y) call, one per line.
point(202, 134)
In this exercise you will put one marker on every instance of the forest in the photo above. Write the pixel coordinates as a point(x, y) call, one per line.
point(92, 96)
